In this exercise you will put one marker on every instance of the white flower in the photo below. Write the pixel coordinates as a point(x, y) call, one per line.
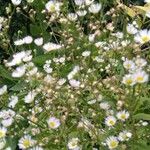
point(142, 36)
point(81, 13)
point(86, 53)
point(7, 117)
point(2, 143)
point(112, 142)
point(131, 29)
point(140, 62)
point(53, 6)
point(30, 1)
point(124, 136)
point(147, 1)
point(104, 105)
point(53, 122)
point(89, 2)
point(13, 101)
point(28, 40)
point(30, 97)
point(38, 41)
point(73, 144)
point(110, 121)
point(19, 42)
point(3, 131)
point(72, 16)
point(129, 65)
point(47, 68)
point(74, 83)
point(91, 37)
point(79, 2)
point(123, 115)
point(95, 8)
point(141, 76)
point(129, 80)
point(26, 142)
point(51, 46)
point(61, 81)
point(3, 89)
point(16, 2)
point(20, 57)
point(19, 72)
point(7, 122)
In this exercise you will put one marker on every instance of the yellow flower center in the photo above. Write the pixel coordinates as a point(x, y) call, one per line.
point(52, 124)
point(123, 116)
point(128, 81)
point(145, 39)
point(111, 122)
point(139, 79)
point(128, 66)
point(52, 8)
point(26, 143)
point(113, 144)
point(2, 134)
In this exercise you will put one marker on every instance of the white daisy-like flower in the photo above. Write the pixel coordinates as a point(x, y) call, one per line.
point(89, 2)
point(3, 132)
point(142, 36)
point(3, 89)
point(140, 62)
point(112, 142)
point(79, 2)
point(28, 40)
point(16, 2)
point(38, 41)
point(81, 13)
point(19, 42)
point(73, 144)
point(131, 29)
point(110, 121)
point(53, 6)
point(141, 76)
point(124, 135)
point(91, 37)
point(7, 117)
point(123, 115)
point(26, 142)
point(86, 53)
point(13, 101)
point(53, 122)
point(74, 83)
point(95, 8)
point(19, 72)
point(72, 16)
point(129, 80)
point(30, 97)
point(18, 58)
point(129, 65)
point(51, 46)
point(104, 105)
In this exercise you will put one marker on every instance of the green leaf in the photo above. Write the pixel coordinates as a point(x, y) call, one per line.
point(142, 116)
point(19, 86)
point(5, 73)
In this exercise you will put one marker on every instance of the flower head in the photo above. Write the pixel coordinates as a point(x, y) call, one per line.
point(112, 142)
point(53, 122)
point(110, 121)
point(123, 115)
